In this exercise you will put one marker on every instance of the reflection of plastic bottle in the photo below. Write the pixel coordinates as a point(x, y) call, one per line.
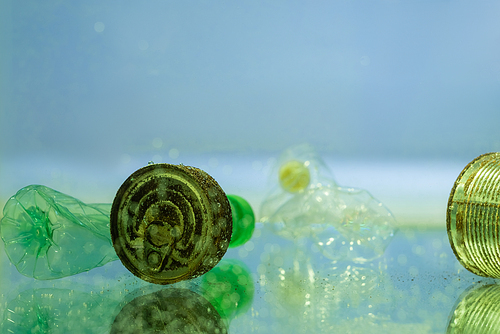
point(229, 287)
point(310, 297)
point(52, 310)
point(50, 235)
point(185, 307)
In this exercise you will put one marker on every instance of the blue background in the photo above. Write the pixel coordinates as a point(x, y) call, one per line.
point(355, 78)
point(398, 96)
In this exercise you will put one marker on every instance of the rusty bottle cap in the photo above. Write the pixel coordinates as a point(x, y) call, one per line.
point(170, 223)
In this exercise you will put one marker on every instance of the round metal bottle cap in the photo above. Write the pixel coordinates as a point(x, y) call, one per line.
point(170, 223)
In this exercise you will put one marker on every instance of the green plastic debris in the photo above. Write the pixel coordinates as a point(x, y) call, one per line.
point(49, 235)
point(229, 288)
point(57, 311)
point(243, 220)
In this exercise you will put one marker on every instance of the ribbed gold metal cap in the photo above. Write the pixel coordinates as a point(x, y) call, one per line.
point(473, 214)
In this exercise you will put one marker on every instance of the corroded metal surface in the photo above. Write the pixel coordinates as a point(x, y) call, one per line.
point(170, 223)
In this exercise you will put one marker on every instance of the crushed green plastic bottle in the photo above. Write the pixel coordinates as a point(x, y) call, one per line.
point(50, 235)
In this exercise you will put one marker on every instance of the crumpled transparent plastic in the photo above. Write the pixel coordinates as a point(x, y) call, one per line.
point(49, 235)
point(345, 223)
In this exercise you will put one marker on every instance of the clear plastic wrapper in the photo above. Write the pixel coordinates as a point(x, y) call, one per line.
point(344, 223)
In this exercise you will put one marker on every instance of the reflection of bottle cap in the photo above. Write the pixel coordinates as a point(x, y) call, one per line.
point(48, 234)
point(472, 216)
point(477, 311)
point(170, 223)
point(169, 310)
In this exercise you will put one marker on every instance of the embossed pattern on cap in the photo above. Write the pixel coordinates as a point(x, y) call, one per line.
point(170, 223)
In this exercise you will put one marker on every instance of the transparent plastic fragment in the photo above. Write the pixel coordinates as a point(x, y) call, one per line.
point(345, 223)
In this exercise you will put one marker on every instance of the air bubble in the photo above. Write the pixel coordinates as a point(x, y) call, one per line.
point(99, 27)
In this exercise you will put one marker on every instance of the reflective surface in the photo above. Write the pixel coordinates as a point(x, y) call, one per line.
point(414, 288)
point(477, 311)
point(169, 311)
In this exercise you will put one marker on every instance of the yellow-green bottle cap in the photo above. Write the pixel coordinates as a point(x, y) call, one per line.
point(472, 217)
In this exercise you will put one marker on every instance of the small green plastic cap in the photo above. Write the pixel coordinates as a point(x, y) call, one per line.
point(243, 220)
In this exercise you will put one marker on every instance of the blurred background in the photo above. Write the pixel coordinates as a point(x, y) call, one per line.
point(397, 96)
